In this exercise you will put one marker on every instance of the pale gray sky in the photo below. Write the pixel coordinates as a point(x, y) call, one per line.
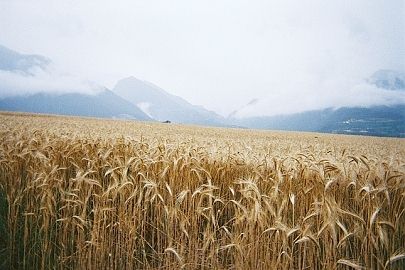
point(219, 54)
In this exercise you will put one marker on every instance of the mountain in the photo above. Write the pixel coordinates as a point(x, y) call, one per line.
point(388, 79)
point(162, 106)
point(377, 121)
point(13, 61)
point(105, 104)
point(135, 99)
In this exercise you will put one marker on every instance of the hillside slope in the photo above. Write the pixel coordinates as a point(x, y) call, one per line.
point(104, 104)
point(161, 105)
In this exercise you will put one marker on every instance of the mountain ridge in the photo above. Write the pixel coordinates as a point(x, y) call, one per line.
point(13, 61)
point(387, 121)
point(132, 98)
point(388, 79)
point(104, 104)
point(162, 106)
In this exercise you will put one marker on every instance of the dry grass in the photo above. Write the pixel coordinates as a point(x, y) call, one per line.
point(98, 194)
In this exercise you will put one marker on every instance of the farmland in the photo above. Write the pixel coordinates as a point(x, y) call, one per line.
point(82, 193)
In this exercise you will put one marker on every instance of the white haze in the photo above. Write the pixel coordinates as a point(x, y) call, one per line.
point(145, 107)
point(14, 83)
point(361, 95)
point(292, 55)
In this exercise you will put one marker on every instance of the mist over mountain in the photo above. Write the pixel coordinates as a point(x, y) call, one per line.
point(162, 106)
point(383, 87)
point(388, 79)
point(104, 105)
point(13, 61)
point(27, 74)
point(27, 84)
point(380, 119)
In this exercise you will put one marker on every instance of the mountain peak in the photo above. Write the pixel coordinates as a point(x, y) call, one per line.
point(130, 79)
point(13, 61)
point(142, 89)
point(388, 79)
point(162, 105)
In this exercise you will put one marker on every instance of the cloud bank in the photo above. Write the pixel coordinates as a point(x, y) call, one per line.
point(39, 81)
point(360, 95)
point(297, 55)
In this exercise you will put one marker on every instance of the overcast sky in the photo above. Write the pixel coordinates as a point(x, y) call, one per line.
point(219, 54)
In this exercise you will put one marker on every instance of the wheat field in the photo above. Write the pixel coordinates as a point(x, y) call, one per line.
point(79, 193)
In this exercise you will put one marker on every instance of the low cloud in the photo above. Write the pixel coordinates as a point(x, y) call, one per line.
point(37, 80)
point(296, 55)
point(303, 98)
